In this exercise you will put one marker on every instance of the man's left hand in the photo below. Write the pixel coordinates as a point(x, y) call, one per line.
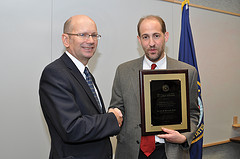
point(172, 136)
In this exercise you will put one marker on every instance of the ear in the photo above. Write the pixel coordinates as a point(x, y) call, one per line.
point(166, 36)
point(65, 40)
point(139, 40)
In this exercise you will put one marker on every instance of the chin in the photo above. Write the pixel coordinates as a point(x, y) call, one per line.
point(153, 58)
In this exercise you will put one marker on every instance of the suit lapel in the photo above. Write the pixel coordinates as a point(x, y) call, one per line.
point(78, 76)
point(170, 63)
point(135, 77)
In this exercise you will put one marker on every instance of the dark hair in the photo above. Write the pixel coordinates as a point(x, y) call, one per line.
point(159, 19)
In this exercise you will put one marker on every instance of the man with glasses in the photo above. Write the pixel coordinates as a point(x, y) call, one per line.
point(152, 36)
point(71, 101)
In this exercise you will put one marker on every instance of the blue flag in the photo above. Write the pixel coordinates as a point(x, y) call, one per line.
point(187, 55)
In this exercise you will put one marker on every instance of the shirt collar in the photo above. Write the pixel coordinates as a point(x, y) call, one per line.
point(161, 64)
point(78, 64)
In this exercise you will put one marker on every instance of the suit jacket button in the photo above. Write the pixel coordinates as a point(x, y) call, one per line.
point(137, 142)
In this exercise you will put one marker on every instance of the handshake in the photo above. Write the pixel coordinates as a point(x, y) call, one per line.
point(118, 115)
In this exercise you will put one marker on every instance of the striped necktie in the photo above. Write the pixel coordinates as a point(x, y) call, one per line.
point(91, 86)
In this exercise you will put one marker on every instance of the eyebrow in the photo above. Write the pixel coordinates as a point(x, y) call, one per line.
point(151, 34)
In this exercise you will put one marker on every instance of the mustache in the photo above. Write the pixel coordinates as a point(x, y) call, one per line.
point(87, 45)
point(151, 48)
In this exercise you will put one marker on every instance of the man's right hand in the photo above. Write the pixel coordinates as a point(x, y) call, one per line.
point(118, 115)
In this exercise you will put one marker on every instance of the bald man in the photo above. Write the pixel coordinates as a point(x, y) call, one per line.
point(71, 101)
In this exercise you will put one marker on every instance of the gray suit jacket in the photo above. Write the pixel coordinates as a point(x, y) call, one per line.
point(126, 97)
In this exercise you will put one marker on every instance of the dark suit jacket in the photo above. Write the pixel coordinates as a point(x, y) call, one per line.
point(77, 128)
point(126, 97)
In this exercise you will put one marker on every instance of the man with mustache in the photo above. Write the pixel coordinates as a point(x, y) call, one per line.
point(152, 36)
point(71, 101)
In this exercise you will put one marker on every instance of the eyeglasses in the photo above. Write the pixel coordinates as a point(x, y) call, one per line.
point(86, 36)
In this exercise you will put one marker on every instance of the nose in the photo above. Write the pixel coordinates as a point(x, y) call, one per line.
point(90, 39)
point(151, 41)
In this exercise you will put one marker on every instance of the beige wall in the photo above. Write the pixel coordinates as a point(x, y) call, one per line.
point(31, 38)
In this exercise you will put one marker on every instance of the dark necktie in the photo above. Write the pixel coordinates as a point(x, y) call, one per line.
point(148, 142)
point(91, 86)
